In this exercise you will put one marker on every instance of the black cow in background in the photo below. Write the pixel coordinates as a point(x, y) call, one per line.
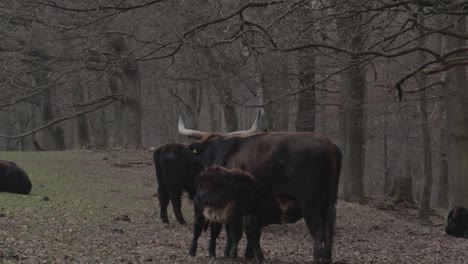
point(13, 179)
point(237, 199)
point(176, 171)
point(457, 222)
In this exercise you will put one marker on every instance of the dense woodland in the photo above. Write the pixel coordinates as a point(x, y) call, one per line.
point(386, 80)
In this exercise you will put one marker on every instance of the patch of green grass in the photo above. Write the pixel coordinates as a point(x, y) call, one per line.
point(91, 207)
point(79, 183)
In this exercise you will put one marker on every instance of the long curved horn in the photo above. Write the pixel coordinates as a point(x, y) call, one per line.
point(189, 132)
point(254, 127)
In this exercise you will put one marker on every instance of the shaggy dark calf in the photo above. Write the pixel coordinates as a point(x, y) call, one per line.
point(457, 222)
point(176, 170)
point(13, 179)
point(237, 199)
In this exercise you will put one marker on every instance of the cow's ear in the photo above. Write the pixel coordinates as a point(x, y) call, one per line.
point(196, 148)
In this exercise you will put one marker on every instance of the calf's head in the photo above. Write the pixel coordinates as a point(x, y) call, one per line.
point(221, 192)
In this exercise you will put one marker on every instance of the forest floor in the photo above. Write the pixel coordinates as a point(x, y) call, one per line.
point(99, 207)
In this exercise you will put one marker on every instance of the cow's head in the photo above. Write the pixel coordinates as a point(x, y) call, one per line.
point(206, 146)
point(457, 222)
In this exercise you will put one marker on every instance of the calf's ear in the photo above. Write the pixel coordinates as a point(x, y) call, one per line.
point(196, 148)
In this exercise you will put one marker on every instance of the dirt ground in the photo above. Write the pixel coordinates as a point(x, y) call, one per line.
point(99, 207)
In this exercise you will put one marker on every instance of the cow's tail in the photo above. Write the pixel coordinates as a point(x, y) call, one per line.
point(157, 165)
point(330, 214)
point(336, 158)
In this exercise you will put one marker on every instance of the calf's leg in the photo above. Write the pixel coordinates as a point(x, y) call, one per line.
point(215, 230)
point(235, 229)
point(197, 229)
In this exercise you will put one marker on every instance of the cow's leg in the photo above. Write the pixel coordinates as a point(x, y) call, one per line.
point(163, 197)
point(227, 249)
point(253, 233)
point(314, 222)
point(249, 251)
point(328, 230)
point(235, 227)
point(197, 229)
point(215, 230)
point(176, 200)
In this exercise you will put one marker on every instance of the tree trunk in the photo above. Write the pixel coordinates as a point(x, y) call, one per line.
point(306, 108)
point(103, 138)
point(306, 105)
point(216, 60)
point(386, 180)
point(274, 86)
point(456, 96)
point(443, 194)
point(354, 150)
point(53, 136)
point(81, 122)
point(442, 199)
point(193, 107)
point(130, 114)
point(425, 206)
point(213, 111)
point(229, 114)
point(401, 190)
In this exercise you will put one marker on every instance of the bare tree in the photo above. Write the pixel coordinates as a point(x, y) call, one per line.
point(355, 92)
point(424, 208)
point(128, 74)
point(456, 96)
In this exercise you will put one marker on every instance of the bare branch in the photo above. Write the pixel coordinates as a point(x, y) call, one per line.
point(58, 120)
point(97, 8)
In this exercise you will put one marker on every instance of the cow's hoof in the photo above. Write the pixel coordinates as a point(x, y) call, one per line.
point(249, 255)
point(182, 222)
point(193, 251)
point(165, 220)
point(323, 261)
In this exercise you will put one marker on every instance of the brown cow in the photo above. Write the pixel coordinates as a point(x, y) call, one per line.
point(304, 166)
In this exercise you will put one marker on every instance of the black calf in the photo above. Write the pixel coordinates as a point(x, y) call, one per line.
point(13, 179)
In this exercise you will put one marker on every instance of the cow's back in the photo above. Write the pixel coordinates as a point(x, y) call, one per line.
point(176, 165)
point(296, 164)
